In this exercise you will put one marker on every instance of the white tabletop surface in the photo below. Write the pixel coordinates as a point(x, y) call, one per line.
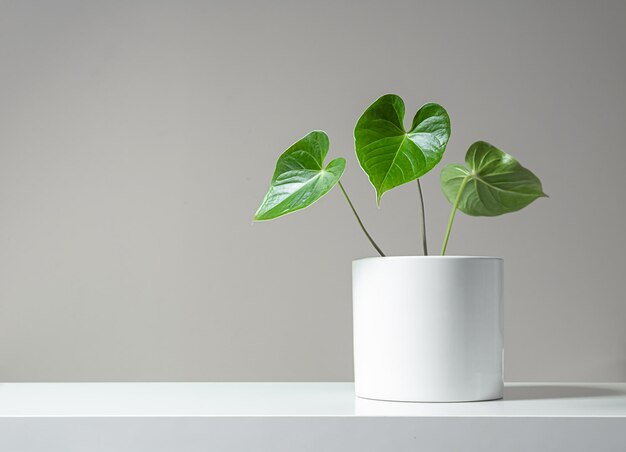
point(19, 400)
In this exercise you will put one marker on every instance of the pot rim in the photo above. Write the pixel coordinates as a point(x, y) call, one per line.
point(428, 258)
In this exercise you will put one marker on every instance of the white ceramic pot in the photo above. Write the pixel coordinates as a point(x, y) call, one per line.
point(428, 329)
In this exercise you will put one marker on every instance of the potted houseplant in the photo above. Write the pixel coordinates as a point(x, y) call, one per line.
point(426, 328)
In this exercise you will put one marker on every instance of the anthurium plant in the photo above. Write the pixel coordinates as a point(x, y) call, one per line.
point(490, 183)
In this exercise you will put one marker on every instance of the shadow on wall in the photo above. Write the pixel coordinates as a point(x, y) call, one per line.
point(534, 392)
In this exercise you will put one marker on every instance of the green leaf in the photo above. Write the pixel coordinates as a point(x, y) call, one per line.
point(300, 177)
point(391, 156)
point(494, 183)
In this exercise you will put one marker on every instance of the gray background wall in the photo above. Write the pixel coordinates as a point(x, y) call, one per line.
point(138, 137)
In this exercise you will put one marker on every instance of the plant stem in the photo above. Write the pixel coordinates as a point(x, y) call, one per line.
point(424, 242)
point(369, 237)
point(454, 207)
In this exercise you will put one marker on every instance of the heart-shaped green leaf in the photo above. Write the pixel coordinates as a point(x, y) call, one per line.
point(494, 183)
point(300, 177)
point(391, 156)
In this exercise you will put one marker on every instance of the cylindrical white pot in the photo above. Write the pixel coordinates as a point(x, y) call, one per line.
point(428, 329)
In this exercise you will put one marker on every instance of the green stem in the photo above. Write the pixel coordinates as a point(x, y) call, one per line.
point(424, 242)
point(454, 207)
point(369, 237)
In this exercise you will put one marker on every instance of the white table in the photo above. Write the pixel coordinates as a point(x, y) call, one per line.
point(189, 417)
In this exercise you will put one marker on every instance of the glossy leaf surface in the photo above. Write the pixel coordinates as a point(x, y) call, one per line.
point(392, 156)
point(493, 183)
point(300, 177)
